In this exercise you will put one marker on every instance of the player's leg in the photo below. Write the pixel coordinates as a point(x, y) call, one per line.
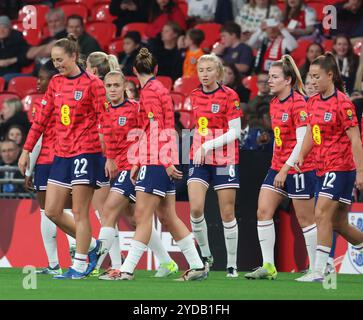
point(226, 201)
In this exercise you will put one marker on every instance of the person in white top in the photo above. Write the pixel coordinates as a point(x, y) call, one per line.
point(202, 9)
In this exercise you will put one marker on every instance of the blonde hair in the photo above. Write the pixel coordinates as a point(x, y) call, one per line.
point(14, 104)
point(213, 58)
point(103, 62)
point(359, 77)
point(115, 73)
point(289, 69)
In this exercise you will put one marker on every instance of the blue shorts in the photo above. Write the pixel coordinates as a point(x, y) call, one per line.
point(337, 185)
point(155, 180)
point(297, 185)
point(83, 169)
point(41, 175)
point(123, 185)
point(222, 177)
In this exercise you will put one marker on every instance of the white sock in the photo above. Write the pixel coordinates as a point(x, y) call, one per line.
point(71, 240)
point(311, 241)
point(80, 262)
point(49, 233)
point(200, 231)
point(190, 252)
point(107, 237)
point(266, 235)
point(92, 244)
point(133, 257)
point(231, 240)
point(114, 252)
point(321, 259)
point(331, 261)
point(97, 213)
point(157, 247)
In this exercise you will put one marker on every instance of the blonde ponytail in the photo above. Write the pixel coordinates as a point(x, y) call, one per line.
point(298, 84)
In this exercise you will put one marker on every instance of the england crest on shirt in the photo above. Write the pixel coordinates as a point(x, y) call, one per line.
point(78, 95)
point(215, 108)
point(327, 116)
point(121, 121)
point(285, 117)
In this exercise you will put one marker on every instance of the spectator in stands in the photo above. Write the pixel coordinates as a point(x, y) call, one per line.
point(192, 41)
point(169, 57)
point(252, 14)
point(349, 18)
point(131, 46)
point(232, 50)
point(129, 11)
point(272, 41)
point(16, 134)
point(201, 11)
point(346, 59)
point(314, 50)
point(358, 85)
point(56, 23)
point(161, 12)
point(232, 79)
point(263, 98)
point(13, 49)
point(12, 113)
point(299, 18)
point(309, 88)
point(131, 90)
point(9, 153)
point(86, 42)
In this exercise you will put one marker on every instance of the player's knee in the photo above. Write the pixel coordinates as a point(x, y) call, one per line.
point(263, 213)
point(196, 211)
point(53, 214)
point(227, 216)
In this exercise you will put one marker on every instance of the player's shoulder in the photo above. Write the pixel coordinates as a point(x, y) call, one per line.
point(342, 97)
point(315, 97)
point(197, 91)
point(297, 96)
point(229, 91)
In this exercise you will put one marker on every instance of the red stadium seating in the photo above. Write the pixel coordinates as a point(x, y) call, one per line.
point(299, 54)
point(6, 96)
point(250, 83)
point(75, 9)
point(186, 85)
point(27, 14)
point(183, 6)
point(328, 44)
point(2, 84)
point(101, 12)
point(178, 100)
point(211, 32)
point(28, 69)
point(116, 46)
point(103, 32)
point(88, 3)
point(23, 85)
point(28, 102)
point(32, 36)
point(186, 118)
point(358, 48)
point(135, 26)
point(166, 81)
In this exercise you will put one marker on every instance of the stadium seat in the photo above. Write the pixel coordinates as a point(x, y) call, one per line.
point(328, 44)
point(116, 46)
point(70, 9)
point(6, 96)
point(28, 69)
point(186, 85)
point(2, 84)
point(102, 31)
point(23, 86)
point(358, 48)
point(178, 100)
point(27, 14)
point(166, 81)
point(211, 32)
point(250, 83)
point(135, 26)
point(318, 6)
point(32, 36)
point(186, 118)
point(88, 3)
point(183, 6)
point(28, 102)
point(299, 54)
point(101, 12)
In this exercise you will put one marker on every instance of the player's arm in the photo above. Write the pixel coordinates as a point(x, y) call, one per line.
point(357, 150)
point(33, 157)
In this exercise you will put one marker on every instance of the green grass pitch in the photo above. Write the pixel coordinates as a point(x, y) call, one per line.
point(145, 287)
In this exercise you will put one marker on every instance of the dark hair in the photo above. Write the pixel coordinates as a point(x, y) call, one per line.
point(263, 72)
point(69, 45)
point(175, 27)
point(145, 62)
point(351, 56)
point(237, 75)
point(232, 28)
point(304, 69)
point(155, 10)
point(134, 36)
point(291, 13)
point(328, 64)
point(289, 69)
point(49, 69)
point(196, 35)
point(75, 17)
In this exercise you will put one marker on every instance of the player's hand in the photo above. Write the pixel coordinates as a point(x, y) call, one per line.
point(199, 157)
point(359, 180)
point(174, 172)
point(298, 163)
point(111, 169)
point(280, 179)
point(29, 186)
point(24, 161)
point(133, 173)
